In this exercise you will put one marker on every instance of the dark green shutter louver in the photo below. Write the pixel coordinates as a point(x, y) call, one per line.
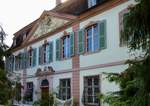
point(50, 52)
point(102, 34)
point(25, 59)
point(72, 44)
point(80, 40)
point(22, 61)
point(58, 49)
point(40, 55)
point(28, 60)
point(34, 57)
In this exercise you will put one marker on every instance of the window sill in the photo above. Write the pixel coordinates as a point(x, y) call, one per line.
point(63, 59)
point(90, 53)
point(45, 63)
point(91, 104)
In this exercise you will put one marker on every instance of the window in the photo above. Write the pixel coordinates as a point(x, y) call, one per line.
point(91, 3)
point(91, 89)
point(30, 58)
point(46, 53)
point(92, 39)
point(9, 63)
point(32, 53)
point(18, 62)
point(66, 46)
point(122, 21)
point(29, 91)
point(65, 89)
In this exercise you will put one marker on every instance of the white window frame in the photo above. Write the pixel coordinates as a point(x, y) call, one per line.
point(93, 87)
point(91, 27)
point(66, 46)
point(66, 87)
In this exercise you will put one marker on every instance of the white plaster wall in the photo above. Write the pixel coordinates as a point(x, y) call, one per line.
point(57, 65)
point(106, 86)
point(113, 52)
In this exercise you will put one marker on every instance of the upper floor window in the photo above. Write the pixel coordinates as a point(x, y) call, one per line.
point(32, 57)
point(92, 38)
point(65, 89)
point(46, 53)
point(66, 46)
point(91, 3)
point(122, 21)
point(9, 63)
point(45, 49)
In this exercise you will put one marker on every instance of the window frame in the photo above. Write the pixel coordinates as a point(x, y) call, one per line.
point(67, 49)
point(66, 88)
point(92, 25)
point(122, 43)
point(30, 57)
point(93, 89)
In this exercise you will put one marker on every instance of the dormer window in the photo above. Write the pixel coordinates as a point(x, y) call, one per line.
point(24, 36)
point(91, 3)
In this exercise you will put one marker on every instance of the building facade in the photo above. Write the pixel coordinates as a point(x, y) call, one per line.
point(68, 49)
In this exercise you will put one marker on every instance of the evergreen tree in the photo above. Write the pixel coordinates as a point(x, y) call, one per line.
point(5, 84)
point(135, 80)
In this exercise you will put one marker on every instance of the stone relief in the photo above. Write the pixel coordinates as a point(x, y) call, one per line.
point(48, 24)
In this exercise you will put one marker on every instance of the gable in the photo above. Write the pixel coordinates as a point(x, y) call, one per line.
point(48, 24)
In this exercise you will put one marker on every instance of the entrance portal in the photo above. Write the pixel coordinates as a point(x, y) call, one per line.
point(44, 89)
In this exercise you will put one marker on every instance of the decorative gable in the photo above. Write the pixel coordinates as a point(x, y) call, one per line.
point(48, 24)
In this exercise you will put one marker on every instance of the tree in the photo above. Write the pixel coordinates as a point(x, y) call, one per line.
point(5, 84)
point(135, 80)
point(3, 47)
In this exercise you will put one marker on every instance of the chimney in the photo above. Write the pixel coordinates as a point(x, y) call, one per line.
point(58, 2)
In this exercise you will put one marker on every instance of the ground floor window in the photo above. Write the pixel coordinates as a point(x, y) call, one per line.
point(91, 89)
point(65, 89)
point(29, 92)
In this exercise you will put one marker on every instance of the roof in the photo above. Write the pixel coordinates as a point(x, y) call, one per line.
point(67, 11)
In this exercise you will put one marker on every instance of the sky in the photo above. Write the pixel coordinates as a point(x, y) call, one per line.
point(15, 14)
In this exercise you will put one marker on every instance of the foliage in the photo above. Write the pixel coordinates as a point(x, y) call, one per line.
point(137, 26)
point(134, 81)
point(5, 85)
point(17, 91)
point(47, 101)
point(3, 47)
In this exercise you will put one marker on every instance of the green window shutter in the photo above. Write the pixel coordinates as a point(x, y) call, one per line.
point(34, 57)
point(81, 40)
point(102, 34)
point(50, 52)
point(40, 55)
point(58, 49)
point(28, 60)
point(22, 60)
point(72, 44)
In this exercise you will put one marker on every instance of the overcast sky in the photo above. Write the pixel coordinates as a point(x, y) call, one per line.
point(15, 14)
